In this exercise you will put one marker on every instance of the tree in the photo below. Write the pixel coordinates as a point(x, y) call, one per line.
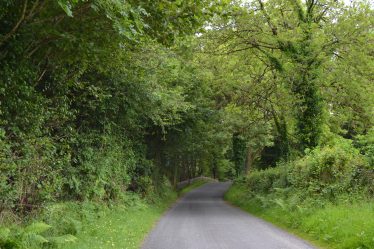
point(297, 39)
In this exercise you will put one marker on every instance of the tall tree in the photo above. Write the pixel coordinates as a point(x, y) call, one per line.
point(297, 38)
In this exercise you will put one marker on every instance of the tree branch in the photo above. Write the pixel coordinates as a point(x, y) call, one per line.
point(274, 29)
point(15, 28)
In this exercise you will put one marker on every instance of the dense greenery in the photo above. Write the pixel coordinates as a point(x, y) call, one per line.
point(343, 224)
point(93, 225)
point(89, 96)
point(104, 100)
point(326, 196)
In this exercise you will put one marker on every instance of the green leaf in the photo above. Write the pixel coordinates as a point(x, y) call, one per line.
point(65, 5)
point(37, 239)
point(37, 228)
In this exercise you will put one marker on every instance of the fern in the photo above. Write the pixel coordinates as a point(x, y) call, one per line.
point(31, 237)
point(281, 203)
point(36, 228)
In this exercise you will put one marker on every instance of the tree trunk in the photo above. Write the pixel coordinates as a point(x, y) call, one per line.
point(251, 156)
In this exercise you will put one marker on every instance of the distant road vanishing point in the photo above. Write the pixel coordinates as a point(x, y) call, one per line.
point(203, 220)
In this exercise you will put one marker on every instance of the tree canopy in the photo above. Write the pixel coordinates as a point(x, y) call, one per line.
point(101, 97)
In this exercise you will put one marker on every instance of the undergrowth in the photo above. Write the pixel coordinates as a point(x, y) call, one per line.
point(341, 225)
point(325, 196)
point(121, 226)
point(91, 225)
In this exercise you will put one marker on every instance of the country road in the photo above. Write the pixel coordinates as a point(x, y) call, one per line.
point(203, 220)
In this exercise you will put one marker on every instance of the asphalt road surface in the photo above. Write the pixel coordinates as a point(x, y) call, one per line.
point(203, 220)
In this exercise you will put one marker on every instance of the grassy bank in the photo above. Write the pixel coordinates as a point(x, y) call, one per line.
point(83, 225)
point(120, 226)
point(126, 227)
point(340, 225)
point(74, 225)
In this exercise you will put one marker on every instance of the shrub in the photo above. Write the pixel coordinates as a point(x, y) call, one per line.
point(39, 170)
point(264, 181)
point(226, 169)
point(365, 143)
point(30, 172)
point(325, 171)
point(328, 170)
point(100, 171)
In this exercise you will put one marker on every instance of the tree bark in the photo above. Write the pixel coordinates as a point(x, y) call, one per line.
point(250, 158)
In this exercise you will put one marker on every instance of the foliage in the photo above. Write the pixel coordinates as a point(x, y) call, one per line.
point(91, 224)
point(109, 101)
point(32, 237)
point(299, 47)
point(265, 181)
point(325, 172)
point(325, 195)
point(77, 102)
point(329, 171)
point(366, 145)
point(105, 164)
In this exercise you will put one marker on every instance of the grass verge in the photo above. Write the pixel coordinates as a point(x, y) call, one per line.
point(120, 226)
point(90, 225)
point(345, 225)
point(126, 227)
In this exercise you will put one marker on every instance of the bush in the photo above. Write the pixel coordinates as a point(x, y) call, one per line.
point(30, 172)
point(101, 168)
point(226, 169)
point(38, 170)
point(327, 195)
point(365, 143)
point(264, 181)
point(326, 171)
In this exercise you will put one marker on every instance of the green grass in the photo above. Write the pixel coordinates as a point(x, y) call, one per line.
point(94, 225)
point(337, 226)
point(120, 227)
point(125, 227)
